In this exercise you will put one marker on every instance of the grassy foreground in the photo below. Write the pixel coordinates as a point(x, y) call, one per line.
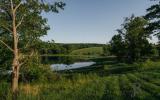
point(139, 81)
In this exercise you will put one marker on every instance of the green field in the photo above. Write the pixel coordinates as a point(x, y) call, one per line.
point(88, 51)
point(107, 80)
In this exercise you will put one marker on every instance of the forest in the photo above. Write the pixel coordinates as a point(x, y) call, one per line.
point(125, 68)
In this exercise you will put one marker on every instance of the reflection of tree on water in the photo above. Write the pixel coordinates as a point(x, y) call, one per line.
point(59, 59)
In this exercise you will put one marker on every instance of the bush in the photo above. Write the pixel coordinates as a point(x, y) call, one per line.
point(33, 70)
point(148, 64)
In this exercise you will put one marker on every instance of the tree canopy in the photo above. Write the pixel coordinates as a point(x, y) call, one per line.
point(153, 15)
point(131, 42)
point(21, 26)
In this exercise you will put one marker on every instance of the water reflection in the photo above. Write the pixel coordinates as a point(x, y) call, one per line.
point(58, 67)
point(62, 59)
point(66, 62)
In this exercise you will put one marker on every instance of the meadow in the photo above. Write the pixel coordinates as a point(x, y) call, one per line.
point(106, 80)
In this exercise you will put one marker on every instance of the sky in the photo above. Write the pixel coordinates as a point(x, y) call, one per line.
point(91, 21)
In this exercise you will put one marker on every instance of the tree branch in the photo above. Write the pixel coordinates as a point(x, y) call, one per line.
point(20, 22)
point(6, 28)
point(7, 45)
point(17, 6)
point(11, 5)
point(27, 59)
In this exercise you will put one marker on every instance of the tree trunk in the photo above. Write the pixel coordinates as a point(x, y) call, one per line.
point(15, 77)
point(15, 64)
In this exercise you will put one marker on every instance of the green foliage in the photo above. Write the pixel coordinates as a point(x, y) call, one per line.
point(118, 46)
point(131, 42)
point(28, 20)
point(5, 58)
point(147, 65)
point(155, 51)
point(33, 70)
point(28, 15)
point(154, 17)
point(106, 50)
point(51, 48)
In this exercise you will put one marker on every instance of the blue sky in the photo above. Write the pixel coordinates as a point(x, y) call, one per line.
point(91, 21)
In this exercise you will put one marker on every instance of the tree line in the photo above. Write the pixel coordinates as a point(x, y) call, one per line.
point(51, 48)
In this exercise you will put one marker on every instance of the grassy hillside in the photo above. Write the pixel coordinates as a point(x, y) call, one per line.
point(88, 51)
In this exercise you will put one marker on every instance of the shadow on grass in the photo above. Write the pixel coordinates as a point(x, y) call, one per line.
point(102, 70)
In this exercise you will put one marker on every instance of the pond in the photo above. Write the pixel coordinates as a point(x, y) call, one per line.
point(59, 63)
point(59, 67)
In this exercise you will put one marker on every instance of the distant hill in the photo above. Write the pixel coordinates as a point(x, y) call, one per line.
point(88, 51)
point(74, 46)
point(66, 48)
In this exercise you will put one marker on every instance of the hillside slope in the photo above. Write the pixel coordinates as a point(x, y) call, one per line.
point(88, 51)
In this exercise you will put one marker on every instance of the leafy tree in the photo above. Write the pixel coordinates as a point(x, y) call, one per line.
point(136, 37)
point(131, 42)
point(118, 46)
point(22, 23)
point(153, 15)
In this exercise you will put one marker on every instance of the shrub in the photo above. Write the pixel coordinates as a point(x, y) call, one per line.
point(148, 64)
point(33, 70)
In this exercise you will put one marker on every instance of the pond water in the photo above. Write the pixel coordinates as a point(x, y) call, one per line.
point(59, 67)
point(59, 63)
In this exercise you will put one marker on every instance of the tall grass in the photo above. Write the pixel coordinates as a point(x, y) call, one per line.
point(147, 86)
point(5, 92)
point(112, 89)
point(80, 87)
point(123, 83)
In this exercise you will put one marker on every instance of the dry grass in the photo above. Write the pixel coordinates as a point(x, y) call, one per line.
point(29, 89)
